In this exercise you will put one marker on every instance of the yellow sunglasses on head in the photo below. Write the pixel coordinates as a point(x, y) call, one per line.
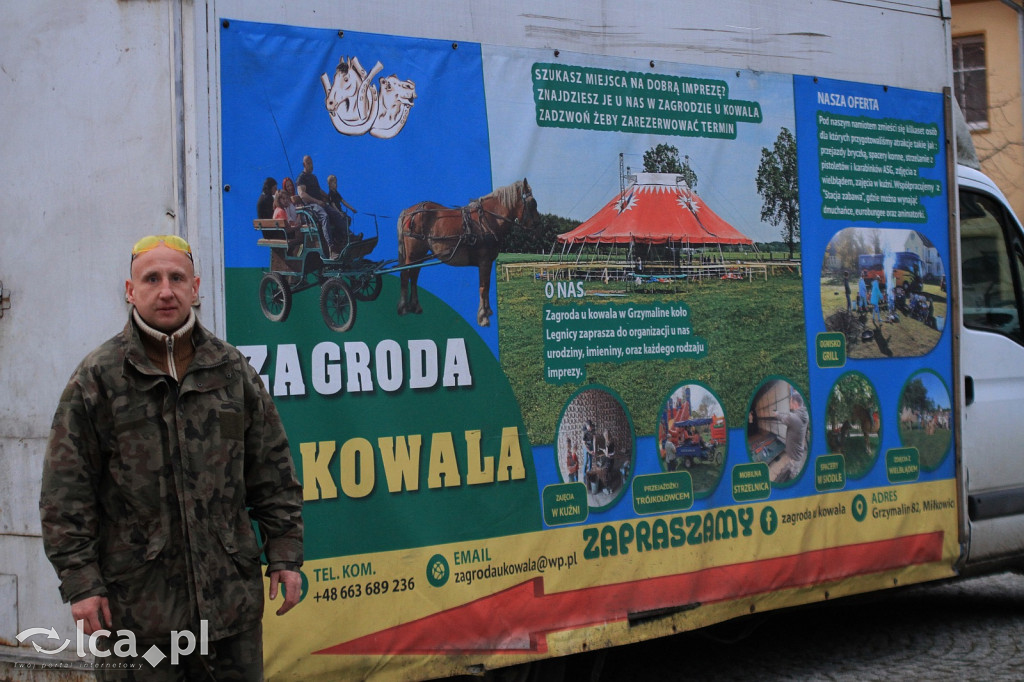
point(170, 240)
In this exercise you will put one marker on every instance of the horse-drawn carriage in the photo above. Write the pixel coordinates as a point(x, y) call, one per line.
point(428, 234)
point(300, 259)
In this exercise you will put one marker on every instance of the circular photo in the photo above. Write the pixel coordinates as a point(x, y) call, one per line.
point(595, 445)
point(925, 418)
point(853, 427)
point(777, 430)
point(692, 436)
point(885, 290)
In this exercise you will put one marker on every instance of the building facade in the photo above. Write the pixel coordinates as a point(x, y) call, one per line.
point(988, 72)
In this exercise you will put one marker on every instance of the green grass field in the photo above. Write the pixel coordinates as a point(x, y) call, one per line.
point(932, 449)
point(906, 337)
point(754, 329)
point(859, 458)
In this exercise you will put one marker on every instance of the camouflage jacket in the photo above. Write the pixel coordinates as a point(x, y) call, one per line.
point(150, 488)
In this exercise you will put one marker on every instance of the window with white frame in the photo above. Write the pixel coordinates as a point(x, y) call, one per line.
point(969, 83)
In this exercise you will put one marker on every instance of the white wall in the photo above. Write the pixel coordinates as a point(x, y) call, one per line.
point(87, 153)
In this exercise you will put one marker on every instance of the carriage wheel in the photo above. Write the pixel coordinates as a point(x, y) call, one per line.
point(275, 297)
point(337, 305)
point(366, 287)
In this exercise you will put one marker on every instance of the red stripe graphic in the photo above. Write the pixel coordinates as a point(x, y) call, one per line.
point(516, 620)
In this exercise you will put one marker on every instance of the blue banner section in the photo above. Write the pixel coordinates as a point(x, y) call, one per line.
point(875, 223)
point(275, 111)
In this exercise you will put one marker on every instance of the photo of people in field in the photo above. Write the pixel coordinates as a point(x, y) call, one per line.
point(692, 436)
point(885, 290)
point(853, 423)
point(925, 418)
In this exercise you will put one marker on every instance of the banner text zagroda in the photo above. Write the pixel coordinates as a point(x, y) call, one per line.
point(405, 462)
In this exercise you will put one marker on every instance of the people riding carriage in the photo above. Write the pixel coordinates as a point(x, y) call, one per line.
point(332, 223)
point(324, 208)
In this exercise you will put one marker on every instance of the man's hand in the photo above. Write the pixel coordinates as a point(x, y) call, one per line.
point(93, 612)
point(291, 581)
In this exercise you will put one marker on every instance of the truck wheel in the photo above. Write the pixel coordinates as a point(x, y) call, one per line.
point(275, 297)
point(366, 287)
point(337, 305)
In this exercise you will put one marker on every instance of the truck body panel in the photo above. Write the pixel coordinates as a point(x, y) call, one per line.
point(434, 448)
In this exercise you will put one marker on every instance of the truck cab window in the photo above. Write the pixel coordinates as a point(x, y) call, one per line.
point(991, 275)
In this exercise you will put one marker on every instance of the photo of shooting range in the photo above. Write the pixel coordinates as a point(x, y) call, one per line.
point(778, 430)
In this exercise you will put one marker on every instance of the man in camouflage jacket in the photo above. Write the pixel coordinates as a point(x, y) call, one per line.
point(164, 448)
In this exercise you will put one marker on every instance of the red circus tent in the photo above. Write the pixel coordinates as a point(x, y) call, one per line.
point(658, 208)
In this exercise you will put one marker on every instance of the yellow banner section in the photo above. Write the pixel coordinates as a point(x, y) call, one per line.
point(436, 610)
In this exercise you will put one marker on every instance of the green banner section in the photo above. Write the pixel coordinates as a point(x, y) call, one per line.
point(565, 503)
point(869, 167)
point(662, 493)
point(751, 482)
point(829, 473)
point(830, 349)
point(569, 96)
point(577, 334)
point(404, 423)
point(903, 465)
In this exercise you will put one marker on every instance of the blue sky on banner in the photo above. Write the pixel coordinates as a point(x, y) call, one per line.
point(574, 173)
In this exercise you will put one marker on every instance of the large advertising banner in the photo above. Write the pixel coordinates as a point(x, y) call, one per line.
point(573, 350)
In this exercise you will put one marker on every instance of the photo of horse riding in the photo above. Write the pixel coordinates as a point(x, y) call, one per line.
point(854, 425)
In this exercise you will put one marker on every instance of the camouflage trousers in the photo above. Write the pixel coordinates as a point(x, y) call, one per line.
point(238, 658)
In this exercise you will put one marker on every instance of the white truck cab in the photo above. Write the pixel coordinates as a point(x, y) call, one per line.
point(992, 372)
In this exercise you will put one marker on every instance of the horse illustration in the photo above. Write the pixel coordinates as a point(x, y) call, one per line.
point(351, 98)
point(396, 98)
point(470, 235)
point(357, 107)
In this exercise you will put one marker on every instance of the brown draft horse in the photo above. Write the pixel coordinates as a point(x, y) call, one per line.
point(863, 415)
point(469, 235)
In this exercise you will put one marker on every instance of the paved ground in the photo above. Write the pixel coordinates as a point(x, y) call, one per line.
point(971, 630)
point(968, 630)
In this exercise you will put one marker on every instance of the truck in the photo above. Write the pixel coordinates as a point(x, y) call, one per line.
point(482, 474)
